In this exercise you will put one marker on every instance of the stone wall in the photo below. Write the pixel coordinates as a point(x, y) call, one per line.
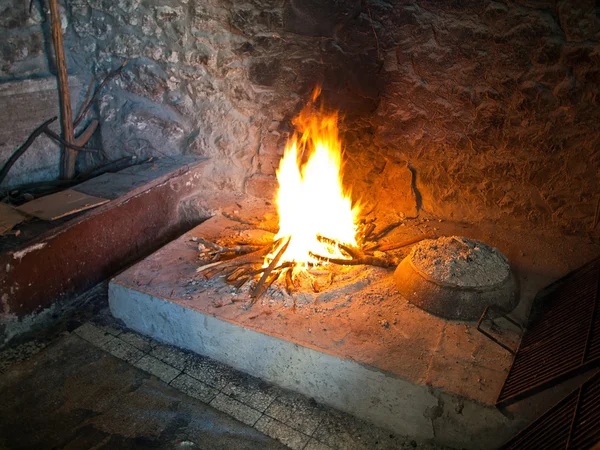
point(470, 110)
point(495, 105)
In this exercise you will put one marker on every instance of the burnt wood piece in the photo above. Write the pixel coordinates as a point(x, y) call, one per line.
point(561, 341)
point(23, 148)
point(573, 423)
point(263, 283)
point(66, 115)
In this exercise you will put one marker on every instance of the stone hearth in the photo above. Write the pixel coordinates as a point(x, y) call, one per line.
point(367, 351)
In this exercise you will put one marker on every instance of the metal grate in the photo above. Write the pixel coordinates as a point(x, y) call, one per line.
point(574, 423)
point(561, 342)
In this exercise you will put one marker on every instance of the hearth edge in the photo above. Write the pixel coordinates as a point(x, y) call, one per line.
point(368, 393)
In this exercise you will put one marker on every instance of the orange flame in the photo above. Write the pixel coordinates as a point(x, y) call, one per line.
point(311, 200)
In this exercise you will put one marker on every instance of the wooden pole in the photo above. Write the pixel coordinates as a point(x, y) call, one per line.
point(66, 115)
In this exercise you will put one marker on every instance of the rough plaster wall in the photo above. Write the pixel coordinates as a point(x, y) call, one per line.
point(495, 105)
point(487, 109)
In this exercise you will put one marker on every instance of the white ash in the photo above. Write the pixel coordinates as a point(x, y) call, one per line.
point(336, 286)
point(460, 261)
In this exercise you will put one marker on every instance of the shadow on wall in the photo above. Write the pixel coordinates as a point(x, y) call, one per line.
point(473, 111)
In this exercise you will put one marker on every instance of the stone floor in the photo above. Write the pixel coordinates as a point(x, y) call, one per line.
point(72, 395)
point(103, 386)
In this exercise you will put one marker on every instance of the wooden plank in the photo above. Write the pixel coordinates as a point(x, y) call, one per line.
point(110, 185)
point(9, 217)
point(61, 204)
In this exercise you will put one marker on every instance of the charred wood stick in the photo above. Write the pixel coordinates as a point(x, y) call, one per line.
point(236, 273)
point(260, 286)
point(208, 244)
point(214, 272)
point(270, 280)
point(330, 242)
point(240, 282)
point(334, 243)
point(208, 266)
point(316, 287)
point(249, 275)
point(226, 270)
point(397, 245)
point(366, 232)
point(289, 281)
point(262, 269)
point(366, 260)
point(66, 115)
point(249, 258)
point(237, 250)
point(353, 252)
point(23, 148)
point(326, 240)
point(88, 104)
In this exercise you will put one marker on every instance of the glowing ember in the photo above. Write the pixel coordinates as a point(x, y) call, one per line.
point(311, 201)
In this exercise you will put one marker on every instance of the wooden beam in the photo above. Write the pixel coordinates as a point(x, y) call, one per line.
point(66, 115)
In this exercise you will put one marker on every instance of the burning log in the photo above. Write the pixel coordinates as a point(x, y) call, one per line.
point(360, 259)
point(365, 233)
point(260, 287)
point(316, 215)
point(245, 261)
point(289, 282)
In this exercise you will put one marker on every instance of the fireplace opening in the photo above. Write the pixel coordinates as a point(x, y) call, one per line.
point(329, 220)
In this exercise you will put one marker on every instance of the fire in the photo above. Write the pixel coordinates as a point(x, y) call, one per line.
point(311, 200)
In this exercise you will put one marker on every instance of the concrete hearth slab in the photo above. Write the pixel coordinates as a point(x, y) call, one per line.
point(48, 263)
point(367, 352)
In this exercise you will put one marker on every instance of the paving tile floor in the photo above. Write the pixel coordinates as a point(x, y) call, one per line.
point(74, 395)
point(297, 422)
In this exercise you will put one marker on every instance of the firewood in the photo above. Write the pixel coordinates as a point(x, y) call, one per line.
point(366, 260)
point(365, 233)
point(248, 258)
point(260, 286)
point(289, 282)
point(219, 251)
